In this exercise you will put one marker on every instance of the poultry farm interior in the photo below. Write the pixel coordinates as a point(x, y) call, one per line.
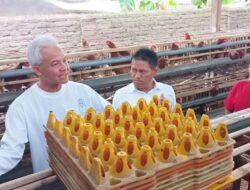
point(201, 71)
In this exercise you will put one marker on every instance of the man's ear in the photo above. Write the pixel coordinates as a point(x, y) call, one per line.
point(36, 70)
point(155, 70)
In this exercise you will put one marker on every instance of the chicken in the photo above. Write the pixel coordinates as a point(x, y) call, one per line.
point(236, 54)
point(215, 90)
point(192, 44)
point(203, 57)
point(85, 44)
point(201, 44)
point(22, 65)
point(187, 36)
point(219, 42)
point(154, 48)
point(163, 62)
point(174, 46)
point(241, 53)
point(112, 45)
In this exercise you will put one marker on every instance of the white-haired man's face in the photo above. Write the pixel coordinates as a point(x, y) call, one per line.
point(54, 69)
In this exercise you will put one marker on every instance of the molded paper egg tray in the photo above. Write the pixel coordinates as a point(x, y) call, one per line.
point(193, 172)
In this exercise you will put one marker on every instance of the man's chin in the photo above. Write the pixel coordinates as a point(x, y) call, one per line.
point(64, 81)
point(139, 87)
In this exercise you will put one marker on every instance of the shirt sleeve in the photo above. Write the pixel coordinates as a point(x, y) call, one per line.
point(98, 102)
point(230, 100)
point(173, 102)
point(116, 102)
point(13, 141)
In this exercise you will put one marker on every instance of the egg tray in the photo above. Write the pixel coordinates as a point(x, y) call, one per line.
point(197, 178)
point(193, 172)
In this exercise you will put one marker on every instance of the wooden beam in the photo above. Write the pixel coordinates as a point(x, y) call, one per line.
point(40, 183)
point(20, 182)
point(240, 132)
point(233, 118)
point(241, 149)
point(236, 175)
point(215, 15)
point(241, 171)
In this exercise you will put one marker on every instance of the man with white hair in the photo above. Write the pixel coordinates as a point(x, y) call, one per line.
point(29, 112)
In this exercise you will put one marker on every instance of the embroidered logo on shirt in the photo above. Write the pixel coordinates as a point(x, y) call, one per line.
point(82, 106)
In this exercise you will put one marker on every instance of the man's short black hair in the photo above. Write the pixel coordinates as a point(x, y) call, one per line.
point(146, 54)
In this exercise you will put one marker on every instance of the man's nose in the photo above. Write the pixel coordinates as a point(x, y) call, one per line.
point(137, 75)
point(64, 66)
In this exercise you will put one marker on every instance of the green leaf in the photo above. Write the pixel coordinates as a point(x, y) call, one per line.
point(204, 2)
point(127, 5)
point(147, 5)
point(172, 3)
point(226, 2)
point(199, 3)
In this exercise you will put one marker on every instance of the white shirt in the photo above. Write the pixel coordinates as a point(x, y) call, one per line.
point(29, 112)
point(132, 95)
